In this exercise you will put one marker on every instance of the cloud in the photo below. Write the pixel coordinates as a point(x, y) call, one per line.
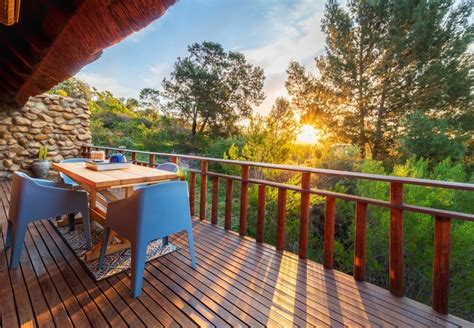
point(103, 83)
point(297, 36)
point(156, 73)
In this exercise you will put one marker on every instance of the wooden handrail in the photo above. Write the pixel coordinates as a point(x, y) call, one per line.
point(301, 169)
point(395, 204)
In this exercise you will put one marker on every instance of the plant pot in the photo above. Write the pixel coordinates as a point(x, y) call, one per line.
point(41, 168)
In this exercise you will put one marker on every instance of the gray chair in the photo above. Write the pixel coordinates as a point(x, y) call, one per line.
point(67, 180)
point(63, 177)
point(151, 213)
point(170, 167)
point(36, 199)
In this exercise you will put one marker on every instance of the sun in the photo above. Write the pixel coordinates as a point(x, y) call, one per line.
point(308, 134)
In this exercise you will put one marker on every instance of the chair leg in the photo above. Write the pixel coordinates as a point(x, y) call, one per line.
point(19, 230)
point(103, 249)
point(138, 267)
point(72, 221)
point(8, 243)
point(86, 224)
point(191, 247)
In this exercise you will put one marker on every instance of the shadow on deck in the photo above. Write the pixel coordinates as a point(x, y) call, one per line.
point(238, 282)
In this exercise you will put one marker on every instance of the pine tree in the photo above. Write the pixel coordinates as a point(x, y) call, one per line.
point(385, 60)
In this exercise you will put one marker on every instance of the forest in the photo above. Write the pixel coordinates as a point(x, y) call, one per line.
point(392, 94)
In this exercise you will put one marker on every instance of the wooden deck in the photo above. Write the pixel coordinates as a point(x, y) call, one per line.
point(238, 282)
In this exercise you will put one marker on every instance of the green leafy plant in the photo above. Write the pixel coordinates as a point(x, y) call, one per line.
point(43, 153)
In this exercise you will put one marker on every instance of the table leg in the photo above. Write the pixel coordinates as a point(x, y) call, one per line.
point(128, 191)
point(92, 198)
point(64, 221)
point(94, 253)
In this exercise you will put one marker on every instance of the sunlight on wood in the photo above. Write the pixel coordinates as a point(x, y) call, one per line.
point(308, 134)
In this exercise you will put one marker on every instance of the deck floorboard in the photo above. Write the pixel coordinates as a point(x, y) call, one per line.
point(238, 283)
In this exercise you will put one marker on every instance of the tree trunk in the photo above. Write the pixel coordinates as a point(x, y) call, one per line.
point(203, 125)
point(378, 134)
point(361, 104)
point(194, 126)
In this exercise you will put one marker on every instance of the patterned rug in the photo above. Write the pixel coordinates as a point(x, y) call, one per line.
point(114, 263)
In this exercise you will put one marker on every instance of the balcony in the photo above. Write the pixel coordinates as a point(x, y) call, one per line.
point(239, 281)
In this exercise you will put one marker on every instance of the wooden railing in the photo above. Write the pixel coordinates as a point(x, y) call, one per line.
point(396, 205)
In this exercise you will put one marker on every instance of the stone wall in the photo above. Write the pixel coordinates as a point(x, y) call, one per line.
point(59, 123)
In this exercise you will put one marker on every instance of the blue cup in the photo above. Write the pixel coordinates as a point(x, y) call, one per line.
point(117, 158)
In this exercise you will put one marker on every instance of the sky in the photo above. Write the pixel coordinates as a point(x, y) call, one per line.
point(270, 33)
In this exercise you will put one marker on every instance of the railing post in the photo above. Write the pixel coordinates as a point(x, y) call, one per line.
point(329, 223)
point(442, 244)
point(244, 200)
point(304, 215)
point(396, 240)
point(261, 205)
point(151, 160)
point(192, 192)
point(228, 204)
point(106, 152)
point(87, 152)
point(215, 199)
point(134, 157)
point(281, 220)
point(202, 204)
point(174, 159)
point(359, 241)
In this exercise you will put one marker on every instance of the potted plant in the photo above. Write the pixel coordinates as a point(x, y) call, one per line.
point(41, 165)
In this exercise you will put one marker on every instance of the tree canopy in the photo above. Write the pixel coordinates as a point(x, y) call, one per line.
point(384, 61)
point(210, 89)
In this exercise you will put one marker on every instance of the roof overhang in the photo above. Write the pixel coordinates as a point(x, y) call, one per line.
point(54, 39)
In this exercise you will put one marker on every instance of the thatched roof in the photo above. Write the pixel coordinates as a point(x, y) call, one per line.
point(54, 39)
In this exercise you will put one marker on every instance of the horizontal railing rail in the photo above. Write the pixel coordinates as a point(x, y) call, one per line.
point(395, 204)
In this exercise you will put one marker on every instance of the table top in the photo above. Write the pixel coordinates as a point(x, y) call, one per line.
point(135, 175)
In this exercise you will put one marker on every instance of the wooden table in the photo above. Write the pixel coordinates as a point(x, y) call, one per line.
point(99, 185)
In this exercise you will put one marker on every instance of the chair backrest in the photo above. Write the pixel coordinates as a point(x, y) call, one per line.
point(170, 167)
point(161, 209)
point(63, 176)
